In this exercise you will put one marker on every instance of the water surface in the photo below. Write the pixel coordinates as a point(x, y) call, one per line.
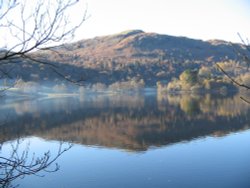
point(131, 140)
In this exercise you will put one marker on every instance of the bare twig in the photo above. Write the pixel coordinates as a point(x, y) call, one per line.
point(245, 100)
point(232, 79)
point(246, 59)
point(19, 164)
point(48, 23)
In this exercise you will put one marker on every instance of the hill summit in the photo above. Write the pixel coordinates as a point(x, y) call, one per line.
point(131, 55)
point(136, 43)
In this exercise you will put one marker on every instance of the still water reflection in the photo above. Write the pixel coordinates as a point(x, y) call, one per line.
point(134, 140)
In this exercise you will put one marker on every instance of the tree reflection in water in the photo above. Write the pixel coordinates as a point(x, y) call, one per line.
point(131, 122)
point(20, 161)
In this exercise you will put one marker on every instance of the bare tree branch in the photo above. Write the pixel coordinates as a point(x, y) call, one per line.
point(245, 100)
point(48, 23)
point(245, 58)
point(21, 163)
point(232, 79)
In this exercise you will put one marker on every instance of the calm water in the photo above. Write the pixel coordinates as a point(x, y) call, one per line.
point(129, 141)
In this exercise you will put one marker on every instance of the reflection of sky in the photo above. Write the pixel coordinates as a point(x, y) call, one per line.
point(209, 162)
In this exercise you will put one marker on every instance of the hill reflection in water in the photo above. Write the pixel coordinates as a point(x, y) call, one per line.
point(133, 122)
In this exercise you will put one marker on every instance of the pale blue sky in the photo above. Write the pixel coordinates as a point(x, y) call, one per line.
point(200, 19)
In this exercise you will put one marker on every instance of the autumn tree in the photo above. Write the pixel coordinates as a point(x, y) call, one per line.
point(189, 77)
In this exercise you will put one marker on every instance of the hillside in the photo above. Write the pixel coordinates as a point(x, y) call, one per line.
point(137, 44)
point(131, 55)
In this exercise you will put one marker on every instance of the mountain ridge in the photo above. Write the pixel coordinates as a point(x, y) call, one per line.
point(125, 42)
point(131, 55)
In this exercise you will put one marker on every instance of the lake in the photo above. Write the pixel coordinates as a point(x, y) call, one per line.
point(125, 140)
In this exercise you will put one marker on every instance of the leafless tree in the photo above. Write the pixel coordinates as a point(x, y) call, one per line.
point(20, 163)
point(26, 27)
